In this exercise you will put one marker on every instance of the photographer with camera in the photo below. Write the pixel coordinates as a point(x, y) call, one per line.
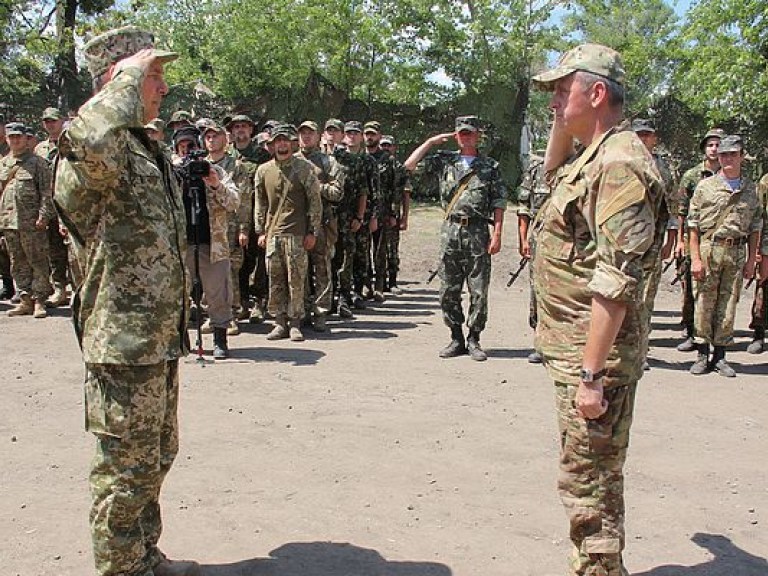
point(210, 196)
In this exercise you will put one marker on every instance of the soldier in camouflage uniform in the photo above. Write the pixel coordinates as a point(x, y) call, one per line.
point(331, 178)
point(4, 149)
point(116, 194)
point(473, 198)
point(760, 302)
point(593, 236)
point(25, 212)
point(7, 290)
point(53, 123)
point(665, 235)
point(688, 182)
point(534, 191)
point(724, 216)
point(239, 223)
point(288, 221)
point(387, 143)
point(350, 213)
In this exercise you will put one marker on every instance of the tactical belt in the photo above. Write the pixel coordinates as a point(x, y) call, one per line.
point(731, 241)
point(467, 220)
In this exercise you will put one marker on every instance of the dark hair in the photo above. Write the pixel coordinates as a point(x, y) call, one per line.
point(615, 90)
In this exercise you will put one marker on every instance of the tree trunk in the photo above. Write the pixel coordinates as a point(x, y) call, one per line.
point(65, 65)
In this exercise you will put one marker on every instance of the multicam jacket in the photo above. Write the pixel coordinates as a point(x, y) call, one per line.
point(762, 191)
point(719, 212)
point(534, 190)
point(593, 237)
point(331, 177)
point(687, 186)
point(117, 195)
point(25, 184)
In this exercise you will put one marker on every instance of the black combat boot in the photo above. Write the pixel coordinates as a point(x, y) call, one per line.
point(758, 342)
point(456, 346)
point(719, 363)
point(473, 347)
point(702, 365)
point(7, 291)
point(220, 348)
point(687, 345)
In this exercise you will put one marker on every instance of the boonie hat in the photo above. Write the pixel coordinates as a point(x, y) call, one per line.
point(112, 46)
point(712, 133)
point(593, 58)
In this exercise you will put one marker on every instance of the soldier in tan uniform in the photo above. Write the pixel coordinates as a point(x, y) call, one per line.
point(116, 194)
point(725, 216)
point(594, 235)
point(288, 219)
point(25, 212)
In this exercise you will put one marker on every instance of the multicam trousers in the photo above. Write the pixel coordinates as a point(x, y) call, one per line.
point(321, 271)
point(591, 482)
point(28, 250)
point(132, 412)
point(287, 265)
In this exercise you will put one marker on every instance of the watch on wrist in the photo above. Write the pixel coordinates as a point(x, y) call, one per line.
point(588, 377)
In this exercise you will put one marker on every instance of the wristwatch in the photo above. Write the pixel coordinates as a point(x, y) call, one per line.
point(588, 377)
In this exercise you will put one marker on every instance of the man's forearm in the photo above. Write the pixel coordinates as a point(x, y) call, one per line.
point(607, 318)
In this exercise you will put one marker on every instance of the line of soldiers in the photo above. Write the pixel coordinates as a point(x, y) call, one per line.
point(714, 217)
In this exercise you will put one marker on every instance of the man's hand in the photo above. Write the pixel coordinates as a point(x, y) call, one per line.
point(441, 138)
point(309, 242)
point(680, 250)
point(41, 224)
point(763, 269)
point(242, 239)
point(495, 244)
point(391, 222)
point(697, 269)
point(749, 268)
point(261, 241)
point(355, 224)
point(525, 249)
point(589, 401)
point(212, 180)
point(373, 224)
point(403, 224)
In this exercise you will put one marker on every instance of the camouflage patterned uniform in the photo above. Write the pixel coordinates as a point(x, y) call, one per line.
point(760, 302)
point(464, 236)
point(301, 214)
point(331, 177)
point(116, 194)
point(593, 238)
point(725, 219)
point(26, 197)
point(362, 268)
point(391, 185)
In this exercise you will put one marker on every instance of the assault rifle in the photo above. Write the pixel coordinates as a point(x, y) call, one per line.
point(514, 275)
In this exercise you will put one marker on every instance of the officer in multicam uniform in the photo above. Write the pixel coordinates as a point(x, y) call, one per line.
point(25, 213)
point(288, 220)
point(331, 178)
point(53, 123)
point(688, 182)
point(724, 216)
point(116, 194)
point(473, 198)
point(593, 237)
point(760, 301)
point(533, 193)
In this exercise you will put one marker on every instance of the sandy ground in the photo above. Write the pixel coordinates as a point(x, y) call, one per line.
point(361, 453)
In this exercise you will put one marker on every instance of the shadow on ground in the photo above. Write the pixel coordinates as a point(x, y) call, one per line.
point(324, 559)
point(728, 560)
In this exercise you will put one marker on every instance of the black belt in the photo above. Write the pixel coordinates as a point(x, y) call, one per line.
point(731, 241)
point(467, 220)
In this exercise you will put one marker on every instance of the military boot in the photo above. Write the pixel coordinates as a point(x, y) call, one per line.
point(319, 325)
point(7, 291)
point(757, 345)
point(702, 365)
point(456, 346)
point(25, 307)
point(473, 347)
point(535, 358)
point(294, 332)
point(345, 308)
point(687, 345)
point(58, 298)
point(257, 313)
point(720, 365)
point(280, 331)
point(207, 327)
point(40, 311)
point(220, 347)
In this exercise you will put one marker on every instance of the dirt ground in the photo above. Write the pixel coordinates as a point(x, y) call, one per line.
point(361, 453)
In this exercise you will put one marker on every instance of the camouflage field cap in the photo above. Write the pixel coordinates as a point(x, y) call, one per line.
point(29, 131)
point(13, 128)
point(731, 143)
point(712, 133)
point(155, 124)
point(467, 123)
point(240, 118)
point(282, 131)
point(52, 114)
point(642, 125)
point(180, 116)
point(186, 133)
point(112, 46)
point(387, 140)
point(204, 124)
point(353, 126)
point(334, 123)
point(270, 125)
point(308, 124)
point(261, 139)
point(212, 125)
point(593, 58)
point(372, 126)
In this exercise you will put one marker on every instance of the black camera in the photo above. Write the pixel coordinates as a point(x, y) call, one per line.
point(195, 165)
